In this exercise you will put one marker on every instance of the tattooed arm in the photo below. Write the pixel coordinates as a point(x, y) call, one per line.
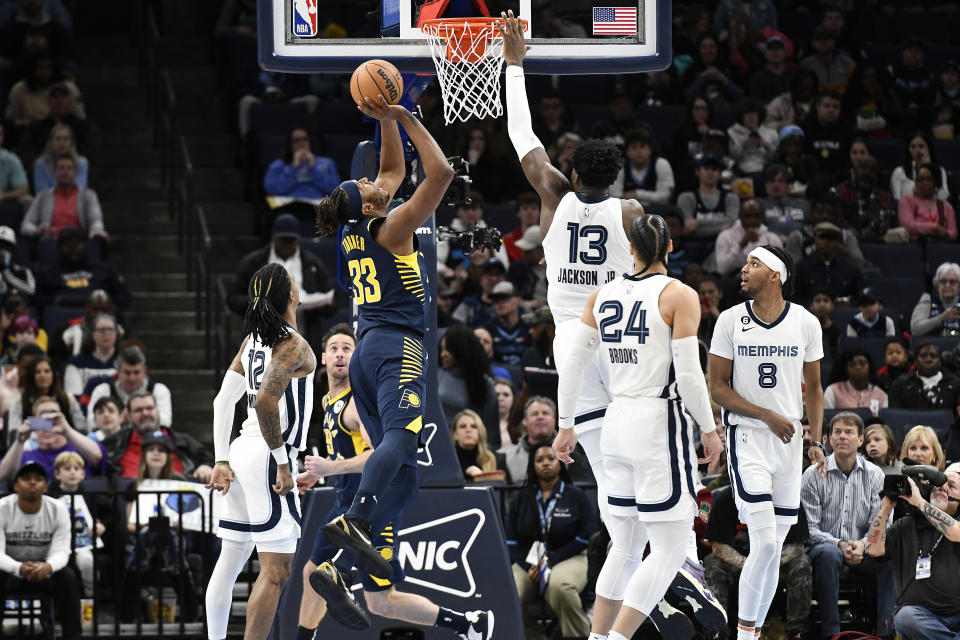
point(290, 357)
point(943, 523)
point(874, 543)
point(729, 555)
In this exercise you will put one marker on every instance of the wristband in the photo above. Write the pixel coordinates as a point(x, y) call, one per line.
point(819, 445)
point(280, 454)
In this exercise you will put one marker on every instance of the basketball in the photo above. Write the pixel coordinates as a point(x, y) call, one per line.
point(376, 77)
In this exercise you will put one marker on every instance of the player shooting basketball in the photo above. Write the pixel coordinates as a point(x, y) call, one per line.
point(387, 368)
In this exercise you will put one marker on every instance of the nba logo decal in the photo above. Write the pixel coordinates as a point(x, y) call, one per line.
point(305, 18)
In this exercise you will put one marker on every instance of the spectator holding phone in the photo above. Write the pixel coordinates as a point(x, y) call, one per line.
point(54, 436)
point(39, 379)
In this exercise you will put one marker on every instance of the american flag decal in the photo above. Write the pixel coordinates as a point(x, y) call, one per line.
point(614, 21)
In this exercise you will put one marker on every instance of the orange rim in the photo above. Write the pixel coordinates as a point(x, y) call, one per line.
point(459, 50)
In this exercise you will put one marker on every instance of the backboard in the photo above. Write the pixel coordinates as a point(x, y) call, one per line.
point(566, 36)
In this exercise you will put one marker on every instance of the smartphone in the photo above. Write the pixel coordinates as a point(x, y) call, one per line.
point(40, 424)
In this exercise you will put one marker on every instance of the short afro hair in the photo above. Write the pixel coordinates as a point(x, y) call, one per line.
point(597, 162)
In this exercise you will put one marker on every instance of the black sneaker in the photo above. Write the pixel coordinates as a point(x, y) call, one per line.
point(671, 622)
point(334, 587)
point(355, 536)
point(481, 625)
point(691, 585)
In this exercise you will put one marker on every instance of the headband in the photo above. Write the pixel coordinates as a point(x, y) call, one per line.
point(770, 261)
point(353, 195)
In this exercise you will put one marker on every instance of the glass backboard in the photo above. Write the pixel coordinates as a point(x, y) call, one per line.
point(567, 36)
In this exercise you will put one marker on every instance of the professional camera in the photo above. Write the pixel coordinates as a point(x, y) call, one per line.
point(924, 476)
point(459, 190)
point(471, 240)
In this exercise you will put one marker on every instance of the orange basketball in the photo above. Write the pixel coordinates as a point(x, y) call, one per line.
point(376, 77)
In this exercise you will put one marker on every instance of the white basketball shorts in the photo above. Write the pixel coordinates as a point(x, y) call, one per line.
point(764, 472)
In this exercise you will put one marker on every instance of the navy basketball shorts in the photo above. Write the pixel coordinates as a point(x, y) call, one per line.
point(387, 378)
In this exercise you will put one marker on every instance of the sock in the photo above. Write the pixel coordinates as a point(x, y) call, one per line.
point(596, 636)
point(451, 619)
point(304, 633)
point(757, 632)
point(745, 633)
point(398, 447)
point(613, 635)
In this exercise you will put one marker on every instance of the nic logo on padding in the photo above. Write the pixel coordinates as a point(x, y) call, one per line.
point(436, 554)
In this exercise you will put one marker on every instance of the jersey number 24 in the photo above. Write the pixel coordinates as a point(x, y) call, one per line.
point(363, 272)
point(636, 322)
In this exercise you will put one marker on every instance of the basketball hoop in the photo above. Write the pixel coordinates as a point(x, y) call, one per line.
point(468, 54)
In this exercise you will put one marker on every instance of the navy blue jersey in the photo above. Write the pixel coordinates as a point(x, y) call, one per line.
point(390, 290)
point(342, 443)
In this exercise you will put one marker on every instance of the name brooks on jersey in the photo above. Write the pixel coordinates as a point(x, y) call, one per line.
point(580, 276)
point(768, 350)
point(620, 355)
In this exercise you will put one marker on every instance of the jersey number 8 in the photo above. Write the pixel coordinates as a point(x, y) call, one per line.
point(365, 285)
point(768, 375)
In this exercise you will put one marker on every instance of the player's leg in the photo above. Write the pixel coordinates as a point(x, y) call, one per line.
point(219, 595)
point(772, 579)
point(762, 529)
point(668, 543)
point(312, 606)
point(265, 596)
point(326, 586)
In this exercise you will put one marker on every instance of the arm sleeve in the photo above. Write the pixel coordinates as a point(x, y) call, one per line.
point(224, 405)
point(810, 499)
point(585, 341)
point(60, 544)
point(691, 383)
point(519, 124)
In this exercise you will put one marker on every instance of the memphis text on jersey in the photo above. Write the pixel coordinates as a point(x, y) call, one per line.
point(768, 350)
point(580, 276)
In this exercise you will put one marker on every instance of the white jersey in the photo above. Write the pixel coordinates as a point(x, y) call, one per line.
point(585, 247)
point(767, 358)
point(635, 342)
point(296, 406)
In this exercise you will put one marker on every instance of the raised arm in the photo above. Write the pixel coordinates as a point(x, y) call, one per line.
point(291, 357)
point(547, 181)
point(393, 168)
point(396, 232)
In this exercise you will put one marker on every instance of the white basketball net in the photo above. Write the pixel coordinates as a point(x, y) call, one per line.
point(469, 59)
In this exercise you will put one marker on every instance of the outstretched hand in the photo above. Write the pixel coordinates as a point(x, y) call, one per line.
point(378, 109)
point(514, 46)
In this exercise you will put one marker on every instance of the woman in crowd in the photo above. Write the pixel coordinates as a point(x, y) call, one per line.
point(923, 212)
point(547, 530)
point(917, 150)
point(60, 142)
point(28, 99)
point(98, 356)
point(470, 441)
point(880, 448)
point(752, 143)
point(896, 362)
point(40, 379)
point(509, 411)
point(921, 446)
point(97, 302)
point(871, 103)
point(938, 313)
point(710, 76)
point(689, 137)
point(859, 149)
point(299, 173)
point(464, 380)
point(852, 383)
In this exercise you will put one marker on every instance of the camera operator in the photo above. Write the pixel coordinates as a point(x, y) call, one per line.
point(925, 551)
point(450, 258)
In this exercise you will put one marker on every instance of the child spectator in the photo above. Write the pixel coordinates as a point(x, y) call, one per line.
point(896, 362)
point(646, 176)
point(871, 322)
point(59, 143)
point(299, 174)
point(923, 212)
point(852, 383)
point(880, 448)
point(107, 418)
point(69, 472)
point(821, 305)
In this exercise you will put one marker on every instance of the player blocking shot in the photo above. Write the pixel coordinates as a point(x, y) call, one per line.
point(387, 367)
point(761, 352)
point(644, 326)
point(274, 370)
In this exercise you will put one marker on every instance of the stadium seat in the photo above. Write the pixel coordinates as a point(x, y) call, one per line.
point(948, 153)
point(56, 318)
point(930, 26)
point(272, 118)
point(345, 114)
point(900, 295)
point(901, 421)
point(888, 152)
point(590, 114)
point(946, 343)
point(341, 147)
point(873, 346)
point(940, 252)
point(842, 315)
point(595, 89)
point(663, 121)
point(895, 260)
point(829, 414)
point(366, 161)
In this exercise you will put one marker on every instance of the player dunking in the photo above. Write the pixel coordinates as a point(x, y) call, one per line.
point(387, 368)
point(347, 450)
point(761, 351)
point(585, 245)
point(648, 338)
point(274, 368)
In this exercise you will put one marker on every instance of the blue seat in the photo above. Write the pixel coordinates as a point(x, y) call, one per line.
point(940, 252)
point(895, 260)
point(873, 346)
point(829, 414)
point(889, 153)
point(56, 318)
point(341, 147)
point(663, 120)
point(277, 119)
point(901, 421)
point(900, 295)
point(590, 114)
point(842, 315)
point(345, 114)
point(948, 153)
point(945, 343)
